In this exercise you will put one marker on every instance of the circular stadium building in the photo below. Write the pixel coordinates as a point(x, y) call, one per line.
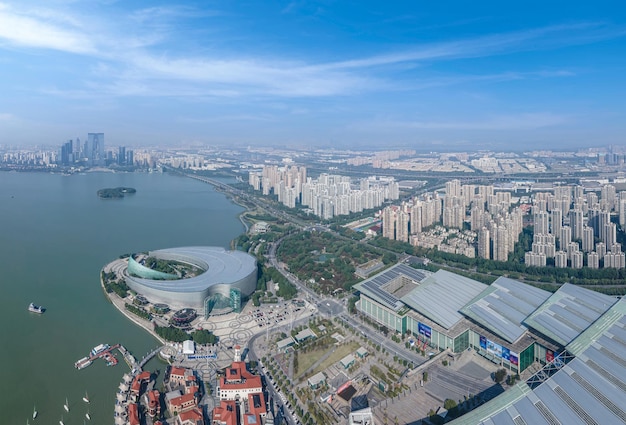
point(215, 279)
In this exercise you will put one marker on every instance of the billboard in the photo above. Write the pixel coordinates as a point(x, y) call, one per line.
point(549, 356)
point(493, 348)
point(506, 354)
point(483, 342)
point(424, 330)
point(514, 358)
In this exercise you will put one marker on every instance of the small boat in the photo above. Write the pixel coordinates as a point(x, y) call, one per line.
point(66, 406)
point(82, 363)
point(34, 308)
point(61, 421)
point(86, 398)
point(87, 415)
point(34, 412)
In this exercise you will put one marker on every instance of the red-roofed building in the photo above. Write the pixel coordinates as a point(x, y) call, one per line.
point(135, 387)
point(178, 375)
point(255, 409)
point(190, 417)
point(225, 413)
point(152, 401)
point(183, 403)
point(133, 414)
point(237, 383)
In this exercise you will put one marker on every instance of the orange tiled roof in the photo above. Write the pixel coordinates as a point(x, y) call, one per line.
point(183, 399)
point(194, 416)
point(133, 414)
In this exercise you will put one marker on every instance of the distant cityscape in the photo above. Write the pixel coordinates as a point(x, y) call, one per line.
point(402, 311)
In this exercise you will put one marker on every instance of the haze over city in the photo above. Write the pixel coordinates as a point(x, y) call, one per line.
point(424, 75)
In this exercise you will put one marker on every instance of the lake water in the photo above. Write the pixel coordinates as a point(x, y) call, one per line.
point(55, 237)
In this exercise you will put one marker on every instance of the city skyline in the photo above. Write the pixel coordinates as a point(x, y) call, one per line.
point(313, 74)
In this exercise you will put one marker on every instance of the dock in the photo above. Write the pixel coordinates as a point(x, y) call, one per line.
point(106, 354)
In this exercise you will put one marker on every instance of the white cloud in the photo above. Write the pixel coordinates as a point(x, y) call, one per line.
point(132, 64)
point(5, 116)
point(523, 121)
point(35, 31)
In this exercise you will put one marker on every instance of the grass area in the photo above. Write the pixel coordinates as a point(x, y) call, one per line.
point(306, 360)
point(338, 354)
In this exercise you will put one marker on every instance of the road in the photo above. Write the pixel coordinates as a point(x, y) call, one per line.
point(331, 308)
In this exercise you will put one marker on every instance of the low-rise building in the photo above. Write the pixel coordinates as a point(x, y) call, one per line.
point(316, 380)
point(347, 361)
point(237, 383)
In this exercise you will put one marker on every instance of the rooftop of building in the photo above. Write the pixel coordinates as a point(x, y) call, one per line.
point(441, 295)
point(568, 312)
point(220, 267)
point(502, 307)
point(587, 390)
point(381, 288)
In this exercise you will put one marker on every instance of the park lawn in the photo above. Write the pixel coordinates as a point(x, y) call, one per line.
point(306, 360)
point(338, 354)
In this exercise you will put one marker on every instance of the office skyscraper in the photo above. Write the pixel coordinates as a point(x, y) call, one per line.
point(95, 149)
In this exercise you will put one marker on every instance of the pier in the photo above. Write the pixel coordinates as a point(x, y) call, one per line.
point(106, 354)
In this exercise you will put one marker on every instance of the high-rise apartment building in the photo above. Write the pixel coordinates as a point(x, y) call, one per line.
point(557, 222)
point(576, 223)
point(541, 223)
point(483, 243)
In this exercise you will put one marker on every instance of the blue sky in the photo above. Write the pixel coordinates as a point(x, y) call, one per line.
point(451, 75)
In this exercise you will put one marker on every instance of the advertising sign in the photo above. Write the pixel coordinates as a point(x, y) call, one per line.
point(483, 342)
point(549, 356)
point(424, 330)
point(493, 348)
point(506, 354)
point(514, 358)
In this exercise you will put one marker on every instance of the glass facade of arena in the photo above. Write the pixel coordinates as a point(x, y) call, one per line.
point(461, 342)
point(235, 300)
point(383, 315)
point(527, 357)
point(139, 270)
point(428, 336)
point(216, 301)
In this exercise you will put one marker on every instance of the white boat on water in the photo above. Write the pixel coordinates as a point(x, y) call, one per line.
point(34, 308)
point(86, 398)
point(34, 412)
point(61, 421)
point(66, 406)
point(82, 363)
point(87, 415)
point(99, 349)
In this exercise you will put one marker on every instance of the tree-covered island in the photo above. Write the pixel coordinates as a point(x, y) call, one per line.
point(115, 193)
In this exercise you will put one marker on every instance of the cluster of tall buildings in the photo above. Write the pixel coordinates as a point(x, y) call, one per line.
point(575, 228)
point(91, 152)
point(491, 216)
point(327, 196)
point(571, 227)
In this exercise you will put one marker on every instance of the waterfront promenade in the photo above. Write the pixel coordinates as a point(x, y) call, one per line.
point(119, 303)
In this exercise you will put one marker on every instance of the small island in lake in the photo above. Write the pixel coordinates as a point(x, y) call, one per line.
point(115, 193)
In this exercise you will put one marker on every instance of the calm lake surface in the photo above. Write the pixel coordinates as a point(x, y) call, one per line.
point(55, 237)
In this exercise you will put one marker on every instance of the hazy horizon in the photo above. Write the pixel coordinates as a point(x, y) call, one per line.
point(454, 76)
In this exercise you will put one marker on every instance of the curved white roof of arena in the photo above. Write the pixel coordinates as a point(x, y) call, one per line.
point(221, 267)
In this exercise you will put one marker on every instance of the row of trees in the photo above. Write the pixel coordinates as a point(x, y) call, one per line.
point(324, 257)
point(170, 333)
point(137, 311)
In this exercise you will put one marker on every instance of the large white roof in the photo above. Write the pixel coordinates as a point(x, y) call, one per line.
point(221, 267)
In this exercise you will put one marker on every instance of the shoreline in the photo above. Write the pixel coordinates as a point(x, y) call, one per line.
point(118, 302)
point(119, 305)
